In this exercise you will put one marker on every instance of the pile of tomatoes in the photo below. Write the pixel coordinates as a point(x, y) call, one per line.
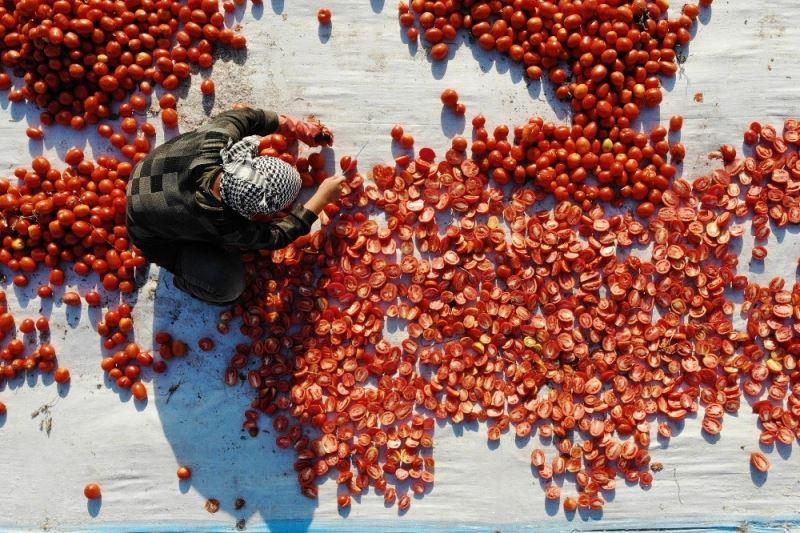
point(80, 60)
point(605, 59)
point(530, 320)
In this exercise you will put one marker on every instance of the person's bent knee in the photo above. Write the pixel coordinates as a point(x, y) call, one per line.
point(211, 274)
point(226, 283)
point(229, 289)
point(218, 291)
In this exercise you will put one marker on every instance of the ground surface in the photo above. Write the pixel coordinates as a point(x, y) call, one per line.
point(360, 78)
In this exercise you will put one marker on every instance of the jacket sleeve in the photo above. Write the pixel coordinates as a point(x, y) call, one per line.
point(273, 234)
point(240, 123)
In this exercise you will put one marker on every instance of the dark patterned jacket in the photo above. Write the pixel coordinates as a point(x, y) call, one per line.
point(170, 199)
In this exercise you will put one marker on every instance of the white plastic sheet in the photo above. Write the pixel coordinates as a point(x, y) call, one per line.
point(361, 78)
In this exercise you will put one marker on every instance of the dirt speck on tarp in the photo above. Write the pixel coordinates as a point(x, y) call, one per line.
point(212, 505)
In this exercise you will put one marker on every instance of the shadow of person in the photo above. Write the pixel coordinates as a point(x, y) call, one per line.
point(202, 419)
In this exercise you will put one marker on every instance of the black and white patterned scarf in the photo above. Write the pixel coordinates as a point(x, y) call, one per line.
point(254, 185)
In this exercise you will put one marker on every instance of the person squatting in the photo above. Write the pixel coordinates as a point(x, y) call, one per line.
point(191, 202)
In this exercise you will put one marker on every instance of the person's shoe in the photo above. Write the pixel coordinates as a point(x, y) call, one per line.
point(140, 275)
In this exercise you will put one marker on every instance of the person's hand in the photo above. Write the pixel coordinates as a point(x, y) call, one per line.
point(328, 192)
point(311, 132)
point(330, 189)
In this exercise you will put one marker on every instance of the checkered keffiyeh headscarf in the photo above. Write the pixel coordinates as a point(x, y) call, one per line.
point(253, 185)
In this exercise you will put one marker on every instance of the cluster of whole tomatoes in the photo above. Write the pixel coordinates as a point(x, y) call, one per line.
point(80, 60)
point(530, 320)
point(605, 59)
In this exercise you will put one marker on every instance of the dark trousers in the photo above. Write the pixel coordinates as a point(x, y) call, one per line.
point(208, 272)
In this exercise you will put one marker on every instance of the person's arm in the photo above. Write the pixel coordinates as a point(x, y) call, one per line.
point(280, 233)
point(240, 123)
point(275, 233)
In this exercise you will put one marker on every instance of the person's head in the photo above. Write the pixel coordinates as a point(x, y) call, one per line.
point(259, 186)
